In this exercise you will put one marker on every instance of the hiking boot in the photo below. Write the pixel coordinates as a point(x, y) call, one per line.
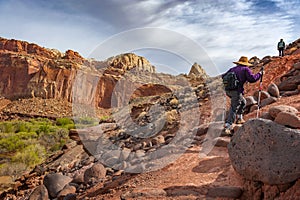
point(240, 121)
point(228, 132)
point(227, 129)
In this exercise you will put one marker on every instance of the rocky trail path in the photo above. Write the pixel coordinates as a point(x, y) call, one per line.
point(189, 177)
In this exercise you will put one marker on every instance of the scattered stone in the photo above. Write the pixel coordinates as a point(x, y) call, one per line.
point(125, 154)
point(290, 93)
point(266, 115)
point(70, 197)
point(111, 154)
point(273, 90)
point(97, 171)
point(263, 95)
point(158, 140)
point(250, 100)
point(68, 189)
point(142, 115)
point(88, 161)
point(69, 158)
point(55, 183)
point(202, 129)
point(288, 119)
point(281, 108)
point(78, 178)
point(253, 108)
point(268, 101)
point(297, 66)
point(39, 193)
point(290, 83)
point(140, 153)
point(262, 150)
point(174, 102)
point(171, 116)
point(118, 173)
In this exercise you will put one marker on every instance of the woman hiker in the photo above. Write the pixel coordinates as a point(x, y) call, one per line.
point(238, 102)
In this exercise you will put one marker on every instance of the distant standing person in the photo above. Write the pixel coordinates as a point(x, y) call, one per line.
point(242, 74)
point(281, 47)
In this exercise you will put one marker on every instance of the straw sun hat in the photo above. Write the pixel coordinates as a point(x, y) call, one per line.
point(243, 61)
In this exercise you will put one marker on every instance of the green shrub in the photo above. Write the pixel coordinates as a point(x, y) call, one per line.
point(28, 143)
point(104, 118)
point(43, 129)
point(64, 121)
point(70, 126)
point(57, 146)
point(26, 135)
point(31, 155)
point(7, 127)
point(11, 143)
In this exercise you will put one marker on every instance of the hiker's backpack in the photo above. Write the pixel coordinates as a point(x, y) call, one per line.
point(230, 81)
point(281, 45)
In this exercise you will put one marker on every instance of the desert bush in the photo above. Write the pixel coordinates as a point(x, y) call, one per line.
point(26, 135)
point(31, 155)
point(64, 122)
point(25, 144)
point(13, 169)
point(11, 143)
point(6, 127)
point(43, 129)
point(105, 117)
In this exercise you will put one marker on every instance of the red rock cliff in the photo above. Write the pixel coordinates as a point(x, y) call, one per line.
point(28, 70)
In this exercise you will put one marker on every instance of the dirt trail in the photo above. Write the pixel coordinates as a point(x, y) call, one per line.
point(189, 177)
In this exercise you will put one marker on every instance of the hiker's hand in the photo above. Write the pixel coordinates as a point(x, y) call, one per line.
point(261, 69)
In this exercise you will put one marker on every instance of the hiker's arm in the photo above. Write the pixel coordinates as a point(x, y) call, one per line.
point(252, 77)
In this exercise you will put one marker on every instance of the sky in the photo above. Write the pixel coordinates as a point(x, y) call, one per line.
point(171, 34)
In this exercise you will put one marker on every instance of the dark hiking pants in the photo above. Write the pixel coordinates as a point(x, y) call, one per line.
point(237, 106)
point(281, 53)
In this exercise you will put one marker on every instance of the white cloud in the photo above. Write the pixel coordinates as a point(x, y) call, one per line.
point(228, 29)
point(225, 29)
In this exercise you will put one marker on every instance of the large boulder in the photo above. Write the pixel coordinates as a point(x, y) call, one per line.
point(55, 183)
point(97, 171)
point(250, 101)
point(290, 83)
point(273, 90)
point(281, 108)
point(297, 66)
point(262, 150)
point(263, 95)
point(39, 193)
point(288, 119)
point(268, 101)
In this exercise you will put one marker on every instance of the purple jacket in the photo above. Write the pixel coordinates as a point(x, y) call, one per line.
point(244, 74)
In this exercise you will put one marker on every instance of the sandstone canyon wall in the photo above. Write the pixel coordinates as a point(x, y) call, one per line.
point(28, 70)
